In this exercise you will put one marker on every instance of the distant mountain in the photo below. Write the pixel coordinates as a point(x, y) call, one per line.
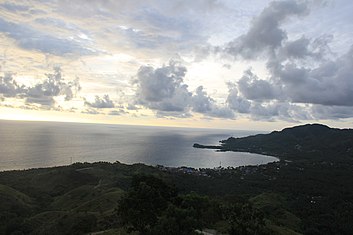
point(299, 142)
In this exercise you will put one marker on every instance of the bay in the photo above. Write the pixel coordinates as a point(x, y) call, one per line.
point(25, 144)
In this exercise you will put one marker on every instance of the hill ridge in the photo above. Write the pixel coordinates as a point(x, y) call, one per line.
point(308, 141)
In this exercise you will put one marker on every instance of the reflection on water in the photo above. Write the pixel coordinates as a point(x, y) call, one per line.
point(41, 144)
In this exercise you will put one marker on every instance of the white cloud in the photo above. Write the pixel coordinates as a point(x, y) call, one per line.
point(43, 92)
point(202, 103)
point(53, 86)
point(236, 102)
point(9, 87)
point(101, 103)
point(163, 90)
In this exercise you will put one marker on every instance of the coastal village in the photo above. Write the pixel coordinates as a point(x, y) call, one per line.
point(242, 171)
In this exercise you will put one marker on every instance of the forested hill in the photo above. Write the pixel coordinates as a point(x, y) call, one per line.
point(311, 141)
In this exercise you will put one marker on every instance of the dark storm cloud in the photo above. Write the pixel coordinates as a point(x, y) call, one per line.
point(101, 103)
point(163, 90)
point(32, 39)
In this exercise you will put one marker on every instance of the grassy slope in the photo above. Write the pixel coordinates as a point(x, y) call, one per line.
point(62, 198)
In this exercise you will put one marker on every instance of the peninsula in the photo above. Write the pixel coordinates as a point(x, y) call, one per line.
point(310, 141)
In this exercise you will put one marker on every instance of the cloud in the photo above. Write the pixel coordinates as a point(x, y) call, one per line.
point(172, 114)
point(269, 110)
point(327, 88)
point(236, 102)
point(163, 90)
point(14, 7)
point(174, 21)
point(265, 34)
point(279, 110)
point(253, 88)
point(90, 111)
point(201, 102)
point(304, 78)
point(9, 87)
point(46, 101)
point(331, 112)
point(42, 93)
point(221, 112)
point(117, 112)
point(30, 38)
point(330, 83)
point(303, 51)
point(305, 81)
point(297, 49)
point(131, 107)
point(101, 103)
point(326, 91)
point(54, 85)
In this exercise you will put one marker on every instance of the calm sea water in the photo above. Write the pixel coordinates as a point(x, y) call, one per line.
point(26, 145)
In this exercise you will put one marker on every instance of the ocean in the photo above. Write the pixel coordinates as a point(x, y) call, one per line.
point(25, 145)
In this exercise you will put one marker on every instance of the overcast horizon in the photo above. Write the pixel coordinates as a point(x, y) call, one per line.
point(247, 65)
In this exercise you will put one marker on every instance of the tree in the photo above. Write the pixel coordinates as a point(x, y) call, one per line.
point(145, 201)
point(245, 220)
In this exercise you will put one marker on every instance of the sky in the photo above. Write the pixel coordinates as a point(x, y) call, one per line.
point(251, 65)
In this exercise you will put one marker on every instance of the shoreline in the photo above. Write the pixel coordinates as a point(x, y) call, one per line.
point(159, 166)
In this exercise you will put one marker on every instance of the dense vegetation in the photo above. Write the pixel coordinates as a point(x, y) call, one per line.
point(310, 194)
point(301, 142)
